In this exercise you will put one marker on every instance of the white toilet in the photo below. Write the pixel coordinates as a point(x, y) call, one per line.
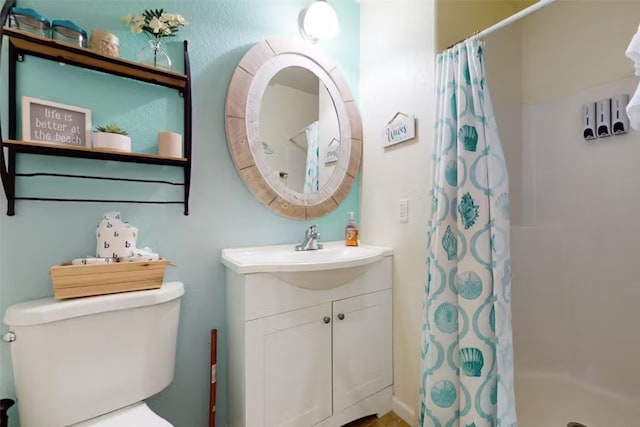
point(90, 362)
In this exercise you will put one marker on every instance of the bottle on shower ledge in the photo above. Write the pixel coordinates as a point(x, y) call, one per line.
point(351, 232)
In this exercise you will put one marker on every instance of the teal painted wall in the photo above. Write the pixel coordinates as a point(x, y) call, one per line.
point(223, 212)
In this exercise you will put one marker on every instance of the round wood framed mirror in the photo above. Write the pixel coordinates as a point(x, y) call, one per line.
point(293, 128)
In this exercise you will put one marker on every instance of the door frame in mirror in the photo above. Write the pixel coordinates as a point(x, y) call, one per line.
point(242, 113)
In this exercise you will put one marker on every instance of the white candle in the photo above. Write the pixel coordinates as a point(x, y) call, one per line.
point(169, 144)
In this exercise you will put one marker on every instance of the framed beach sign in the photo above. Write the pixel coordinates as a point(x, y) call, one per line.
point(54, 123)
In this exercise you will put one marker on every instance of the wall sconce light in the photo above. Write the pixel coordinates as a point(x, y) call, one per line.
point(319, 21)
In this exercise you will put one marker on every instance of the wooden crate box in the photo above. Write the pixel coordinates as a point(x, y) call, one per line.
point(73, 281)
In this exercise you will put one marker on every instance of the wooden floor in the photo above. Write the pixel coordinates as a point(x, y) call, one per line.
point(389, 420)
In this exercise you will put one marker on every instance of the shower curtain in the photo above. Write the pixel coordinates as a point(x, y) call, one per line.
point(467, 357)
point(312, 175)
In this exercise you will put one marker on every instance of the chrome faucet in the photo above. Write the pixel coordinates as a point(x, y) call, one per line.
point(311, 238)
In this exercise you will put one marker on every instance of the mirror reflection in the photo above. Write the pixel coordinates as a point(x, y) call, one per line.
point(299, 130)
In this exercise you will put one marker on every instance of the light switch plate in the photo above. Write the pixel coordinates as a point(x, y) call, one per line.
point(404, 210)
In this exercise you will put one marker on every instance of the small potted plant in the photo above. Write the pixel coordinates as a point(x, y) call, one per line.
point(111, 137)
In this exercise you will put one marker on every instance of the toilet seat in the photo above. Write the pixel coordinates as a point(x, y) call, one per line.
point(139, 415)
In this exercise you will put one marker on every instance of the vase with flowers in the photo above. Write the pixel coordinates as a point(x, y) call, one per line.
point(156, 24)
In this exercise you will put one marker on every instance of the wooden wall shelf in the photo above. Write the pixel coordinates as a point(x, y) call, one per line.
point(21, 44)
point(33, 147)
point(55, 50)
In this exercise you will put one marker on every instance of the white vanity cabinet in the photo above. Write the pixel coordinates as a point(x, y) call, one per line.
point(362, 345)
point(288, 368)
point(309, 357)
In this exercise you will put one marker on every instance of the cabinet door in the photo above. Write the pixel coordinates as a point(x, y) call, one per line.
point(288, 368)
point(362, 347)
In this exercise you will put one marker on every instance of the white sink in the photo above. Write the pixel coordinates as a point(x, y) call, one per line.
point(327, 268)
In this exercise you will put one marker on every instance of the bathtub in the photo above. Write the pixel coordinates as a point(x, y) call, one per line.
point(547, 400)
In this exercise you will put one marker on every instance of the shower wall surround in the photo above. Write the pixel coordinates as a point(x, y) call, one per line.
point(575, 257)
point(574, 205)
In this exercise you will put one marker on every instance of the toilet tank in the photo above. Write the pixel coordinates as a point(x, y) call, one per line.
point(77, 359)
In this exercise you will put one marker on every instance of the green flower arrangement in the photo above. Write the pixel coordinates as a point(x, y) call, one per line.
point(155, 23)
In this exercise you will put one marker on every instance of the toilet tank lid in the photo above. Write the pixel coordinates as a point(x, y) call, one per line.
point(47, 310)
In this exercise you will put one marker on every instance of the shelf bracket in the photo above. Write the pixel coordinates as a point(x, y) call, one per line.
point(8, 181)
point(187, 127)
point(11, 176)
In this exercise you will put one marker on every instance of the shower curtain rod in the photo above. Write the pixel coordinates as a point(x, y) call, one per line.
point(508, 21)
point(297, 134)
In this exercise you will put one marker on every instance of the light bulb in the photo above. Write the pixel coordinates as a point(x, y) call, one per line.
point(320, 21)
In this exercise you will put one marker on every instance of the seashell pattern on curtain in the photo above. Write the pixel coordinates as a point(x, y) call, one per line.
point(467, 355)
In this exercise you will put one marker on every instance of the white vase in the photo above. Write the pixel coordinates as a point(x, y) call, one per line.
point(111, 142)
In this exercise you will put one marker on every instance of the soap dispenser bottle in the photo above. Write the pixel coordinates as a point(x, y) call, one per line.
point(351, 232)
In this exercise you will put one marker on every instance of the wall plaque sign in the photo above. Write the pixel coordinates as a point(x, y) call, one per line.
point(400, 128)
point(54, 123)
point(333, 150)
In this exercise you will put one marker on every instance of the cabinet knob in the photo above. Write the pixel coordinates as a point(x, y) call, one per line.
point(9, 337)
point(341, 316)
point(326, 319)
